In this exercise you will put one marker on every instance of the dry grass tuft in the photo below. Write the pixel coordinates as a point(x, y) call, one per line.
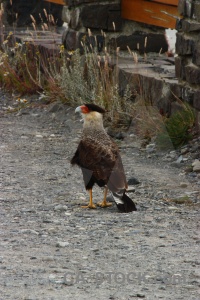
point(147, 119)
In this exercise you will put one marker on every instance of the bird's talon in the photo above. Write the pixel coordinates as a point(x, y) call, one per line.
point(89, 206)
point(104, 204)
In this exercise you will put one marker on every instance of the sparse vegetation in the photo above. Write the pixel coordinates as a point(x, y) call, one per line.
point(177, 128)
point(181, 200)
point(19, 67)
point(148, 121)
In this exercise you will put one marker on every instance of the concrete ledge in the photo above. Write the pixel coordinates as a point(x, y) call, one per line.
point(156, 82)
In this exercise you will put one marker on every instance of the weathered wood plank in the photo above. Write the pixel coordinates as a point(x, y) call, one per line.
point(150, 12)
point(61, 2)
point(170, 2)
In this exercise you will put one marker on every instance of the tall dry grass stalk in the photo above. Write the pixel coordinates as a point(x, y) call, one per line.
point(133, 54)
point(147, 118)
point(1, 23)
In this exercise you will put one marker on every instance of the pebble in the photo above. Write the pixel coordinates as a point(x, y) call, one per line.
point(52, 230)
point(173, 208)
point(67, 214)
point(48, 258)
point(52, 278)
point(180, 159)
point(29, 231)
point(192, 174)
point(183, 184)
point(196, 165)
point(172, 154)
point(139, 295)
point(162, 236)
point(184, 150)
point(150, 148)
point(57, 222)
point(193, 193)
point(62, 244)
point(61, 207)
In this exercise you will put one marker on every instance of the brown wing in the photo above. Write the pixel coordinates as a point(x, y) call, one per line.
point(102, 161)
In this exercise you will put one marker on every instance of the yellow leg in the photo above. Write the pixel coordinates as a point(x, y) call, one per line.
point(104, 203)
point(90, 205)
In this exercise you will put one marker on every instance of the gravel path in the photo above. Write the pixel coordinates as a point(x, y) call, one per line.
point(51, 248)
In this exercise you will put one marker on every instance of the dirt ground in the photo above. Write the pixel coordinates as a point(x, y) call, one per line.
point(51, 248)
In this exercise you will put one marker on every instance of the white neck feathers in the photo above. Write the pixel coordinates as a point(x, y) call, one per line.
point(93, 120)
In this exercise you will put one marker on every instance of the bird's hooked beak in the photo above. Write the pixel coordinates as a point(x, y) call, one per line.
point(78, 109)
point(82, 109)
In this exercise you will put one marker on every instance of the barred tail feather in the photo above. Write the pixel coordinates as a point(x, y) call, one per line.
point(123, 202)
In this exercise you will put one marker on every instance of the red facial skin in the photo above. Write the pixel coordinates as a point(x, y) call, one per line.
point(84, 109)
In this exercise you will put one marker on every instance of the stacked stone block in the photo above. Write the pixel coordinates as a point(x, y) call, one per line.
point(19, 11)
point(103, 15)
point(187, 63)
point(93, 14)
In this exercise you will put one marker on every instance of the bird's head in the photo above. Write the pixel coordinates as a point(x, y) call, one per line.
point(92, 114)
point(88, 108)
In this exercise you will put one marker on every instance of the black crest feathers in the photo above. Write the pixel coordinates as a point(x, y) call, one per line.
point(94, 107)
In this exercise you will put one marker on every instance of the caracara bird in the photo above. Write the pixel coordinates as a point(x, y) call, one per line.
point(98, 157)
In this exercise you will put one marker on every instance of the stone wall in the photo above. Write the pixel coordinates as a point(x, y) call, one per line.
point(187, 63)
point(18, 12)
point(102, 15)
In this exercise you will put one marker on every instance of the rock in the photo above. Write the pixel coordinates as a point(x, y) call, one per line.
point(172, 154)
point(52, 278)
point(67, 214)
point(57, 222)
point(116, 134)
point(188, 169)
point(176, 165)
point(48, 258)
point(196, 165)
point(52, 230)
point(62, 244)
point(60, 207)
point(39, 136)
point(184, 150)
point(173, 208)
point(162, 236)
point(154, 42)
point(195, 155)
point(131, 189)
point(133, 181)
point(192, 193)
point(29, 231)
point(180, 159)
point(183, 184)
point(102, 19)
point(192, 174)
point(195, 147)
point(150, 148)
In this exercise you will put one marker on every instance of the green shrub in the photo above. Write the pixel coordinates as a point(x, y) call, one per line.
point(177, 128)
